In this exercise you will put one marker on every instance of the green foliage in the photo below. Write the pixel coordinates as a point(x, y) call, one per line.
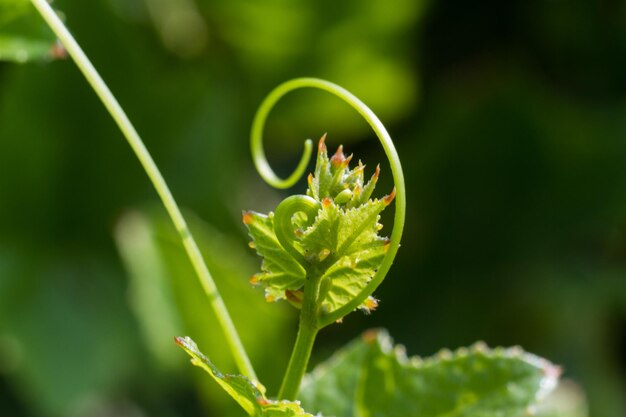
point(165, 301)
point(280, 271)
point(323, 249)
point(374, 378)
point(24, 36)
point(335, 180)
point(349, 237)
point(371, 377)
point(331, 236)
point(249, 395)
point(339, 240)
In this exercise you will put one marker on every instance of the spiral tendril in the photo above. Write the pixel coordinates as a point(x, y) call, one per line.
point(283, 225)
point(266, 172)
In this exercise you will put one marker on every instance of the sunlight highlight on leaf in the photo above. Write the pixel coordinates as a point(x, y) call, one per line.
point(372, 377)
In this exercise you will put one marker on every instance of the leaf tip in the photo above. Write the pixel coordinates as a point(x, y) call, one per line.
point(376, 173)
point(186, 343)
point(339, 159)
point(179, 341)
point(321, 145)
point(389, 198)
point(247, 218)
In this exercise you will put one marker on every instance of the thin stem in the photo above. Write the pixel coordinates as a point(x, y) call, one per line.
point(131, 135)
point(256, 143)
point(307, 331)
point(298, 362)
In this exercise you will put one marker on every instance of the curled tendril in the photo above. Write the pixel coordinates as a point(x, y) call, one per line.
point(283, 225)
point(266, 172)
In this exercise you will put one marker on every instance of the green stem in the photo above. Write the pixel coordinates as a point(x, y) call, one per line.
point(135, 142)
point(307, 331)
point(298, 362)
point(256, 144)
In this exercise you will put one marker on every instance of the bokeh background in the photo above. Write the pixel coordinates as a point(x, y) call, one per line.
point(509, 117)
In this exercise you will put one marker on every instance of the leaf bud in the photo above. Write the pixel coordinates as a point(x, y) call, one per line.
point(343, 197)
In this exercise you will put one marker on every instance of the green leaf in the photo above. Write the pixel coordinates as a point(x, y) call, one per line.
point(244, 391)
point(372, 378)
point(321, 238)
point(342, 244)
point(24, 36)
point(168, 300)
point(334, 179)
point(350, 238)
point(280, 271)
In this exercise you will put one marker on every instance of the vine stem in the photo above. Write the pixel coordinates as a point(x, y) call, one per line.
point(307, 331)
point(97, 83)
point(312, 324)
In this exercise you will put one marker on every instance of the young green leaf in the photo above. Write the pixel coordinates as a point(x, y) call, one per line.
point(248, 394)
point(334, 179)
point(24, 36)
point(340, 242)
point(280, 272)
point(372, 378)
point(349, 238)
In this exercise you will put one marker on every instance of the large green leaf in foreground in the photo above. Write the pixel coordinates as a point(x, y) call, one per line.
point(246, 393)
point(24, 36)
point(371, 378)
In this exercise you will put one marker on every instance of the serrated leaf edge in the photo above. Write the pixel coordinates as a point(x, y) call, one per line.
point(551, 372)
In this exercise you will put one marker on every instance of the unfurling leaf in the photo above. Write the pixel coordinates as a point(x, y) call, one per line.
point(280, 271)
point(334, 179)
point(340, 242)
point(371, 377)
point(351, 237)
point(247, 394)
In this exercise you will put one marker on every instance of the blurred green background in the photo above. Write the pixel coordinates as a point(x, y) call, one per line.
point(509, 117)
